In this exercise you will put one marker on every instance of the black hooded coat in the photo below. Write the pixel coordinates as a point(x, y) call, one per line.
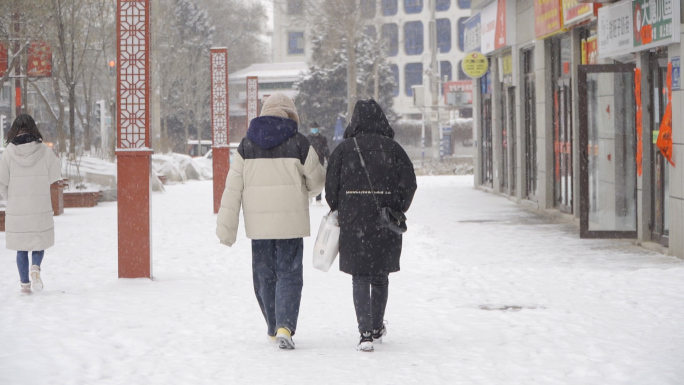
point(364, 248)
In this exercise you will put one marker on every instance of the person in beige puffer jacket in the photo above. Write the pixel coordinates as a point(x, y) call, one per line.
point(27, 169)
point(272, 177)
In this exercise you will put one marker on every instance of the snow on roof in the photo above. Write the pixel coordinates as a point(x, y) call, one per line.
point(271, 72)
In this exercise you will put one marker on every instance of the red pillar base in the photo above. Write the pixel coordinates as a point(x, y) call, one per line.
point(221, 163)
point(133, 200)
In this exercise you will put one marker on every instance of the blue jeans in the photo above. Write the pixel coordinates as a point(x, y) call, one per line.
point(23, 263)
point(277, 273)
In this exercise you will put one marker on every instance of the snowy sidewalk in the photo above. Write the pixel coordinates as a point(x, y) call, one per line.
point(488, 294)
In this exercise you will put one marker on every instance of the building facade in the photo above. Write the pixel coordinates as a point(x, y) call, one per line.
point(404, 26)
point(581, 113)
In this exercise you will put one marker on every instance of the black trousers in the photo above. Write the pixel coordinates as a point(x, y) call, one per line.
point(370, 300)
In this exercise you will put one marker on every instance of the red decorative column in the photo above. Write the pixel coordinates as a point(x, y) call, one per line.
point(220, 122)
point(133, 145)
point(252, 98)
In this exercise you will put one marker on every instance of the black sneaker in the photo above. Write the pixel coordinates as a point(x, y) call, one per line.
point(366, 342)
point(379, 333)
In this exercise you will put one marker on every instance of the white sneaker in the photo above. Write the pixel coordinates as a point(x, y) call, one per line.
point(26, 288)
point(320, 203)
point(284, 338)
point(36, 282)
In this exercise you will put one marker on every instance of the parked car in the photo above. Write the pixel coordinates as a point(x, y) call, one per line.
point(233, 150)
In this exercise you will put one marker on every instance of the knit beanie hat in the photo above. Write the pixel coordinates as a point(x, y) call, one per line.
point(279, 104)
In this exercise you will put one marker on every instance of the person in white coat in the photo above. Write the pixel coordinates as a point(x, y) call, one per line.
point(27, 169)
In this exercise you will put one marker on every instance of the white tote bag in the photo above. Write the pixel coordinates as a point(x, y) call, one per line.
point(327, 242)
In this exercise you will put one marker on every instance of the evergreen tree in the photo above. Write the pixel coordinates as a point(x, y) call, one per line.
point(323, 91)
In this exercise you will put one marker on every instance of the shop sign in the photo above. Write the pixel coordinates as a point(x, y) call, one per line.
point(3, 58)
point(676, 73)
point(493, 27)
point(475, 65)
point(615, 29)
point(507, 67)
point(590, 50)
point(548, 18)
point(459, 87)
point(472, 34)
point(575, 12)
point(655, 23)
point(39, 63)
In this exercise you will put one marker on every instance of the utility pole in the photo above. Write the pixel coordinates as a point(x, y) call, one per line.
point(434, 82)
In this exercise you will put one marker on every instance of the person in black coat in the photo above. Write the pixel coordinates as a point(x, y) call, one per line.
point(320, 144)
point(367, 252)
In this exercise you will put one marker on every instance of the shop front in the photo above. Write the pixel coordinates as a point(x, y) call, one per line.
point(631, 187)
point(496, 96)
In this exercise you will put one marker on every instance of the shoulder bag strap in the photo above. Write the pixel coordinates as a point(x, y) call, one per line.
point(363, 164)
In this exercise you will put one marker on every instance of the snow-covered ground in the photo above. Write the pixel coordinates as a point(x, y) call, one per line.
point(488, 294)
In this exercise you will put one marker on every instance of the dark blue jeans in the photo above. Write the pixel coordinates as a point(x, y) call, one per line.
point(23, 263)
point(370, 300)
point(277, 273)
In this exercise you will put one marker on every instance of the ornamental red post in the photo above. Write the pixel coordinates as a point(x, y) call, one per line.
point(220, 123)
point(252, 98)
point(133, 145)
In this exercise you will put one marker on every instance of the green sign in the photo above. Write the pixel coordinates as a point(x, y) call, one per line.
point(654, 22)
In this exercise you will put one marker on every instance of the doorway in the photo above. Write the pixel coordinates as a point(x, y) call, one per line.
point(660, 168)
point(561, 52)
point(511, 139)
point(530, 125)
point(607, 142)
point(486, 148)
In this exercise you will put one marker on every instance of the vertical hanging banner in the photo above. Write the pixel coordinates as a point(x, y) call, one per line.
point(664, 142)
point(252, 98)
point(39, 59)
point(590, 50)
point(548, 18)
point(3, 57)
point(220, 122)
point(133, 146)
point(639, 116)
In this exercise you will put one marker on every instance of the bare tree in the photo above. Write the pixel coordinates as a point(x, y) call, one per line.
point(72, 20)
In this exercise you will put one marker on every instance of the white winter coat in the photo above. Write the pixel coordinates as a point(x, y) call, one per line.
point(26, 173)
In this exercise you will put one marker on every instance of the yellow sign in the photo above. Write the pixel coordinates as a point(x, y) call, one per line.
point(475, 65)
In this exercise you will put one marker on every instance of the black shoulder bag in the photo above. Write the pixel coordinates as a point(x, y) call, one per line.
point(389, 218)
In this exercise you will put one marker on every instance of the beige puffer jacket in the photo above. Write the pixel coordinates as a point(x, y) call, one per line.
point(271, 177)
point(26, 173)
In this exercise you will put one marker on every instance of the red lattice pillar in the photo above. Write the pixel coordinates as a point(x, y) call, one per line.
point(133, 145)
point(220, 123)
point(252, 98)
